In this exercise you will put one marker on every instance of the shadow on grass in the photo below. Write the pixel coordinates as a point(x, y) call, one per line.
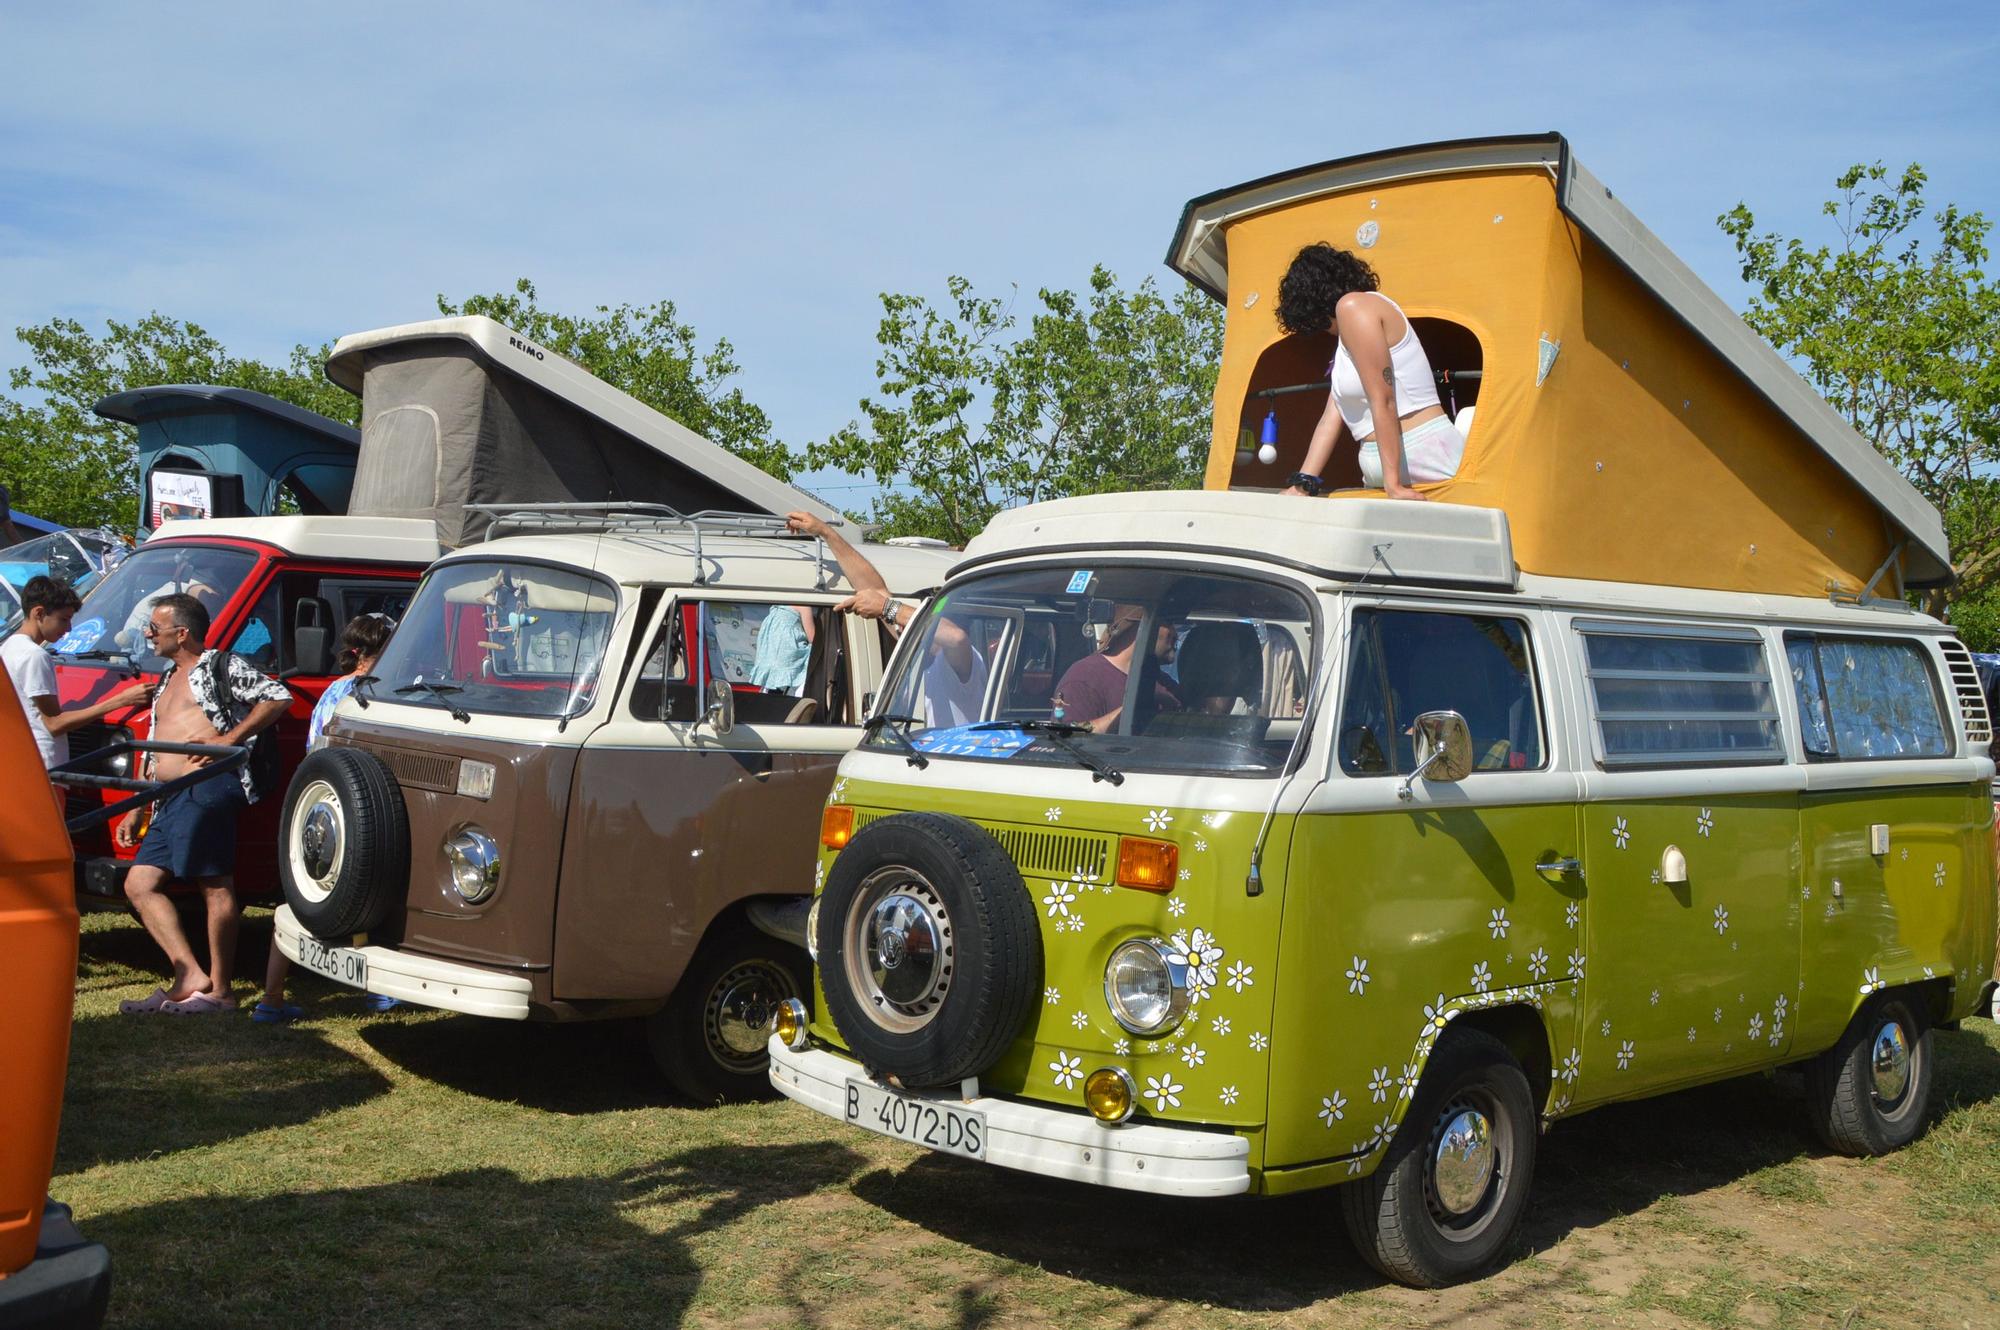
point(1285, 1253)
point(114, 945)
point(480, 1247)
point(585, 1067)
point(141, 1086)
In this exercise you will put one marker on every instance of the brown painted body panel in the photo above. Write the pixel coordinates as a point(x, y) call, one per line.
point(662, 840)
point(513, 930)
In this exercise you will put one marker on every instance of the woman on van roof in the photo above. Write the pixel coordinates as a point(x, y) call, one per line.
point(1384, 393)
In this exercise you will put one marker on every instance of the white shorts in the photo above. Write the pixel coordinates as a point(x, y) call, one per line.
point(1431, 451)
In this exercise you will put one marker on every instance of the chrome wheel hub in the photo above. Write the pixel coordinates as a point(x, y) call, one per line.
point(898, 952)
point(319, 841)
point(740, 1008)
point(1463, 1162)
point(1889, 1063)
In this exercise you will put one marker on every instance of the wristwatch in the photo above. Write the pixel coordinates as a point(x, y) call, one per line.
point(890, 609)
point(1306, 481)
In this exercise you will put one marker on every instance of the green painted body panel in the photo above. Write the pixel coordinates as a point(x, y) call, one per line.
point(1375, 930)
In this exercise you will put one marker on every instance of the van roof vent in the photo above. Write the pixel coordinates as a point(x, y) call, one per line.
point(1971, 697)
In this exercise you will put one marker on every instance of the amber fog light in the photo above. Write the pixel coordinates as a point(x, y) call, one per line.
point(1109, 1094)
point(1148, 865)
point(790, 1023)
point(836, 826)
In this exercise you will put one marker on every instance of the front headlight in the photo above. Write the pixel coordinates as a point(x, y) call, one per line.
point(473, 858)
point(120, 765)
point(1147, 991)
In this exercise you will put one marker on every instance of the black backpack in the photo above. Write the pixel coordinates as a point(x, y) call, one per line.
point(263, 747)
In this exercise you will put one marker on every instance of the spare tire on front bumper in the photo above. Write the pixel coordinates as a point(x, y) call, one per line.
point(343, 843)
point(929, 953)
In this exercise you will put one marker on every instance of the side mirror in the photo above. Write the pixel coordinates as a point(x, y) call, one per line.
point(1443, 748)
point(312, 637)
point(720, 710)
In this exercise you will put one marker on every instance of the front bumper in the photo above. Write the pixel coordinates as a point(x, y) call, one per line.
point(1054, 1142)
point(446, 985)
point(67, 1285)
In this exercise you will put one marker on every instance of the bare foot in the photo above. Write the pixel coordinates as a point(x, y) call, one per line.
point(1405, 492)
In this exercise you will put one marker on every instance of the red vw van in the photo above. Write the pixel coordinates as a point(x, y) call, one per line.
point(278, 590)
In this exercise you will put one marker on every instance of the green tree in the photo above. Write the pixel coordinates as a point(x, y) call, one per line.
point(1895, 326)
point(1110, 390)
point(65, 463)
point(646, 350)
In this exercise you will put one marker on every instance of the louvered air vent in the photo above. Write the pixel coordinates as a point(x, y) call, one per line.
point(1971, 697)
point(1055, 853)
point(425, 771)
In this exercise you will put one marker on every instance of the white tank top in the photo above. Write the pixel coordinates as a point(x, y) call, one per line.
point(1416, 385)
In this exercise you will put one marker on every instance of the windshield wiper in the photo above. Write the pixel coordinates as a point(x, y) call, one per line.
point(118, 656)
point(1058, 732)
point(442, 692)
point(876, 724)
point(355, 692)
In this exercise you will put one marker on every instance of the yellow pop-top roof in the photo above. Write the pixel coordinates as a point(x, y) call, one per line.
point(1629, 424)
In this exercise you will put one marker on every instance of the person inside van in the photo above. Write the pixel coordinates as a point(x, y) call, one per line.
point(784, 649)
point(1384, 394)
point(1092, 691)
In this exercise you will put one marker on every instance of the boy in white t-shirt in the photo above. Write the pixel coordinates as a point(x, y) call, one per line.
point(49, 603)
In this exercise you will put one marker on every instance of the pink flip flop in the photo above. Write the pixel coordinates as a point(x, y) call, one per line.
point(198, 1004)
point(146, 1006)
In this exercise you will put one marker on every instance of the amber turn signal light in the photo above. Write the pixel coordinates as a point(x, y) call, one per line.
point(1148, 865)
point(836, 826)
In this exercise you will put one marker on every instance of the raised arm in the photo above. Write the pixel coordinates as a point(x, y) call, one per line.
point(861, 574)
point(1367, 342)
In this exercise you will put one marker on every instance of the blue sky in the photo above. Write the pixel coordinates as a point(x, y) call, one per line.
point(282, 173)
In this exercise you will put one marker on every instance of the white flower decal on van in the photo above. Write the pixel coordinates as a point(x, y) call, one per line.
point(1691, 1034)
point(1358, 976)
point(1061, 896)
point(1625, 1055)
point(1572, 1065)
point(1164, 1091)
point(839, 789)
point(1654, 1000)
point(1053, 813)
point(1705, 823)
point(1777, 1033)
point(1259, 1041)
point(1211, 820)
point(1193, 1056)
point(1498, 924)
point(1571, 914)
point(1239, 976)
point(1379, 1085)
point(1576, 959)
point(1121, 1046)
point(1051, 996)
point(1871, 979)
point(1721, 921)
point(1200, 845)
point(1435, 1017)
point(1620, 833)
point(1199, 952)
point(1228, 1094)
point(1079, 1021)
point(1331, 1109)
point(1067, 1069)
point(1406, 1084)
point(1756, 1026)
point(1158, 819)
point(1482, 977)
point(1538, 963)
point(1605, 1030)
point(1176, 908)
point(1937, 878)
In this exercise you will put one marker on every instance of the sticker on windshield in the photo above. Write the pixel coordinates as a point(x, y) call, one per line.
point(81, 636)
point(971, 741)
point(1079, 582)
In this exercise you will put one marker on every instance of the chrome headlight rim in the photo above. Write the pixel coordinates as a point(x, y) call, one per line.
point(472, 864)
point(1179, 998)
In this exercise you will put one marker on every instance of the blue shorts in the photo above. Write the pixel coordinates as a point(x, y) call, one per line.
point(194, 832)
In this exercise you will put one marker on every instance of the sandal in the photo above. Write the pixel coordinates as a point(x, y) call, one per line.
point(266, 1014)
point(200, 1004)
point(146, 1006)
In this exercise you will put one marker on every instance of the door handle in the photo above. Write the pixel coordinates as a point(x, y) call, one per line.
point(1559, 867)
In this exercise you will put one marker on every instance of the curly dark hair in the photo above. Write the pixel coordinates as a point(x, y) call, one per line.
point(1314, 284)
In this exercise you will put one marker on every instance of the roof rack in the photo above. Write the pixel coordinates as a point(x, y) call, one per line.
point(644, 517)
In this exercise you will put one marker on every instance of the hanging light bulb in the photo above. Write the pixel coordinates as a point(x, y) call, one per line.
point(1267, 451)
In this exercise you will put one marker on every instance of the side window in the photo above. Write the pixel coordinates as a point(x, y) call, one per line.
point(1863, 698)
point(257, 641)
point(786, 662)
point(1407, 662)
point(1670, 698)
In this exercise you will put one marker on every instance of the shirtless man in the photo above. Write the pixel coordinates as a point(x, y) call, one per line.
point(193, 833)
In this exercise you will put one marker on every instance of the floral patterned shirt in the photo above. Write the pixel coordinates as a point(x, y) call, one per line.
point(247, 686)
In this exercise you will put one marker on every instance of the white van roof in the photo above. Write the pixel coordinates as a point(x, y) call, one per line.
point(350, 539)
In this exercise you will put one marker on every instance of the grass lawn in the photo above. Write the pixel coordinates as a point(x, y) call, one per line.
point(426, 1170)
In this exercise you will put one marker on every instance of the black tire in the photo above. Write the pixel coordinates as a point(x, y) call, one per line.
point(709, 1041)
point(1400, 1219)
point(348, 884)
point(1854, 1110)
point(968, 923)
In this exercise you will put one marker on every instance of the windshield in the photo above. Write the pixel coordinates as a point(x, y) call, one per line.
point(500, 638)
point(113, 617)
point(1133, 668)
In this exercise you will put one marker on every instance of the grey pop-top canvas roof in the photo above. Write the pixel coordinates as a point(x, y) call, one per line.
point(1199, 252)
point(465, 411)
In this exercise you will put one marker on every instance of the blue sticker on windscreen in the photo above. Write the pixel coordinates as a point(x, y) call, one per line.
point(971, 741)
point(1079, 582)
point(81, 636)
